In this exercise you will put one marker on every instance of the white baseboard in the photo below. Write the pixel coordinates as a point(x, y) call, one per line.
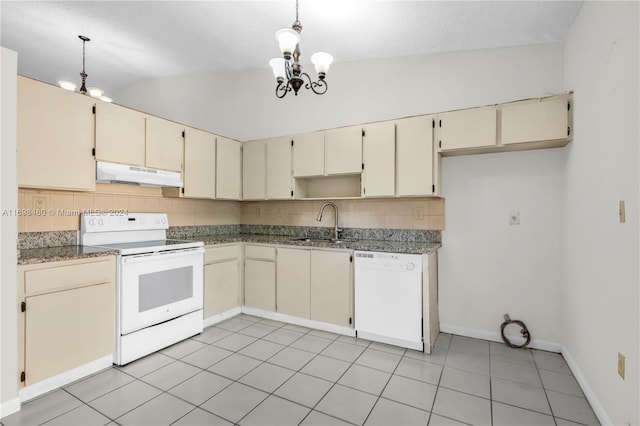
point(9, 407)
point(215, 319)
point(598, 409)
point(318, 325)
point(37, 389)
point(496, 337)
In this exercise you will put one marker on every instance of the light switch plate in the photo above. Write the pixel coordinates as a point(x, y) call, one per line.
point(418, 213)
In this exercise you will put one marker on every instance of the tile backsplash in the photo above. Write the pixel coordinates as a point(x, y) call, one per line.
point(60, 210)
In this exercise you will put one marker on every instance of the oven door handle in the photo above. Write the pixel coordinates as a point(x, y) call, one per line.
point(147, 257)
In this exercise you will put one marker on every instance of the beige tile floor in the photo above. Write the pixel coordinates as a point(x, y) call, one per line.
point(253, 371)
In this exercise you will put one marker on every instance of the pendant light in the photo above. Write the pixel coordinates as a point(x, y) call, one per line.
point(94, 92)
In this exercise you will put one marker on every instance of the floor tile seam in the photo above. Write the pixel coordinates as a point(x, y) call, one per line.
point(66, 412)
point(449, 418)
point(259, 359)
point(383, 389)
point(219, 415)
point(164, 390)
point(330, 415)
point(468, 353)
point(435, 395)
point(269, 394)
point(530, 364)
point(467, 371)
point(206, 368)
point(546, 395)
point(113, 419)
point(521, 407)
point(517, 382)
point(121, 368)
point(490, 399)
point(569, 420)
point(181, 417)
point(416, 379)
point(491, 393)
point(101, 395)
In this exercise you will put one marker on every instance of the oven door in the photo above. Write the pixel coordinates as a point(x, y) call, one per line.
point(157, 287)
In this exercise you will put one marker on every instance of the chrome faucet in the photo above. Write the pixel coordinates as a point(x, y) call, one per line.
point(336, 230)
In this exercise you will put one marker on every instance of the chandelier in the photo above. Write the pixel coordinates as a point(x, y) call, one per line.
point(94, 92)
point(288, 71)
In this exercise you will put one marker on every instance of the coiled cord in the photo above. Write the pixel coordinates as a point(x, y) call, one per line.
point(524, 332)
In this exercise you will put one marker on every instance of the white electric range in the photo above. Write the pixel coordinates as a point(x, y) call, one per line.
point(159, 285)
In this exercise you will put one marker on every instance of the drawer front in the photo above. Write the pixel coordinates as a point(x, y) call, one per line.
point(260, 252)
point(68, 276)
point(216, 254)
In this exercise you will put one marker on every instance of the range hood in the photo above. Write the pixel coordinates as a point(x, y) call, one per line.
point(136, 175)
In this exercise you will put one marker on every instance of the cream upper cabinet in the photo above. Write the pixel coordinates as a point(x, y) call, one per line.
point(228, 168)
point(279, 166)
point(467, 129)
point(222, 287)
point(254, 165)
point(260, 277)
point(120, 134)
point(331, 287)
point(343, 150)
point(293, 285)
point(68, 318)
point(308, 154)
point(535, 120)
point(379, 152)
point(55, 137)
point(199, 164)
point(415, 156)
point(164, 144)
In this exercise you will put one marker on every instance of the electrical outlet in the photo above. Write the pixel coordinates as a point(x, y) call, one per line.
point(514, 217)
point(621, 211)
point(259, 211)
point(39, 203)
point(621, 365)
point(418, 213)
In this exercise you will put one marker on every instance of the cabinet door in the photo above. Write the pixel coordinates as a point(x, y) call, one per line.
point(279, 182)
point(343, 150)
point(228, 168)
point(260, 284)
point(414, 145)
point(164, 144)
point(55, 137)
point(293, 282)
point(221, 287)
point(469, 128)
point(253, 170)
point(120, 134)
point(199, 164)
point(331, 287)
point(536, 120)
point(308, 154)
point(67, 329)
point(379, 155)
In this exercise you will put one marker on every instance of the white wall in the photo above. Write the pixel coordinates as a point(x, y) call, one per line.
point(601, 297)
point(243, 105)
point(487, 267)
point(9, 233)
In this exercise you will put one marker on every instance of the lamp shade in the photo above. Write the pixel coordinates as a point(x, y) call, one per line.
point(67, 85)
point(106, 99)
point(321, 61)
point(278, 68)
point(288, 39)
point(95, 92)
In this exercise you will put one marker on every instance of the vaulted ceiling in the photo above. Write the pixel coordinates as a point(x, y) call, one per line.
point(132, 40)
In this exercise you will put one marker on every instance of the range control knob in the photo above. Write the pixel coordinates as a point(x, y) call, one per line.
point(92, 222)
point(410, 266)
point(100, 222)
point(157, 220)
point(163, 220)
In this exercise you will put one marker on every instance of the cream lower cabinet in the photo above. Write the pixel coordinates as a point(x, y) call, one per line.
point(222, 289)
point(68, 316)
point(293, 285)
point(55, 137)
point(331, 287)
point(260, 277)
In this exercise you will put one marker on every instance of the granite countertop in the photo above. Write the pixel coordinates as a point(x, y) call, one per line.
point(60, 253)
point(367, 245)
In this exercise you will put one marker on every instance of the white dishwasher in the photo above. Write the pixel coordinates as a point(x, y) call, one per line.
point(388, 298)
